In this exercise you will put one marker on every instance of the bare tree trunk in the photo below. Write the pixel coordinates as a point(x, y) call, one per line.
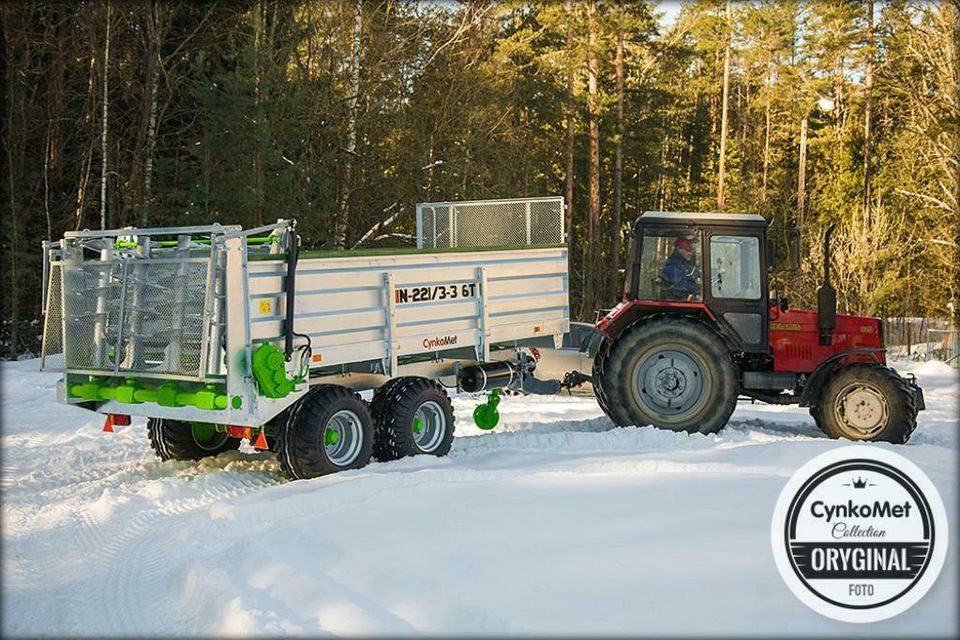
point(153, 81)
point(257, 102)
point(46, 183)
point(341, 223)
point(52, 162)
point(617, 165)
point(766, 150)
point(430, 165)
point(86, 165)
point(12, 156)
point(568, 219)
point(802, 174)
point(724, 110)
point(145, 192)
point(104, 139)
point(590, 296)
point(867, 159)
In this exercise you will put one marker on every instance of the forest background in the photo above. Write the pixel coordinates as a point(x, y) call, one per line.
point(344, 115)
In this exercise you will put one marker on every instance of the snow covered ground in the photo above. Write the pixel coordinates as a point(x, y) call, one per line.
point(555, 523)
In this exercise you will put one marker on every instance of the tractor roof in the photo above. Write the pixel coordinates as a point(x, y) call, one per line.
point(694, 217)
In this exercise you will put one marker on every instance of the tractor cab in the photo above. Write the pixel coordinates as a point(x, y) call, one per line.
point(711, 262)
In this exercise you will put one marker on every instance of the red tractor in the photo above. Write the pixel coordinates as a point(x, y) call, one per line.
point(698, 327)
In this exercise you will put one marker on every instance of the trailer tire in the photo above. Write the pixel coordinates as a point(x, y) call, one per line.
point(700, 376)
point(381, 398)
point(180, 440)
point(328, 430)
point(866, 402)
point(413, 416)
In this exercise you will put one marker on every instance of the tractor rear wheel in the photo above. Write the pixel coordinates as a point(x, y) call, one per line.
point(180, 440)
point(328, 430)
point(674, 373)
point(614, 411)
point(866, 402)
point(412, 416)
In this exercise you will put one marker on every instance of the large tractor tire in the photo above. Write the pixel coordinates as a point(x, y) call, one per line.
point(412, 416)
point(599, 374)
point(177, 440)
point(328, 430)
point(866, 402)
point(674, 373)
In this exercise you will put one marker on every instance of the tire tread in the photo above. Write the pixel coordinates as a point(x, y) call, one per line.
point(394, 408)
point(299, 450)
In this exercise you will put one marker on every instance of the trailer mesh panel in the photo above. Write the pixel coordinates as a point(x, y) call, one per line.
point(128, 317)
point(491, 223)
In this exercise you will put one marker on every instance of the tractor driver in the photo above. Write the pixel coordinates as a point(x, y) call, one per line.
point(679, 272)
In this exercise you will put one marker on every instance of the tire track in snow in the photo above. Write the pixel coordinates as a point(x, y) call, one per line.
point(131, 573)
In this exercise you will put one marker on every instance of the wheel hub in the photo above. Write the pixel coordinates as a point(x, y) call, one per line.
point(429, 426)
point(343, 438)
point(669, 383)
point(206, 436)
point(862, 409)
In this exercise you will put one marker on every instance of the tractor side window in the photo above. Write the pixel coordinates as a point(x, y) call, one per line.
point(670, 266)
point(735, 267)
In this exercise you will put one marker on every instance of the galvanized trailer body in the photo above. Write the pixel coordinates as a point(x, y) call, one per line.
point(139, 325)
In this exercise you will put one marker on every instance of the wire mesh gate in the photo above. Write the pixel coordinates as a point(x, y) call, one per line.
point(491, 223)
point(130, 310)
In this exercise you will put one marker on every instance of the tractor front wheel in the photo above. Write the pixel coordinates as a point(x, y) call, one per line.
point(673, 373)
point(866, 402)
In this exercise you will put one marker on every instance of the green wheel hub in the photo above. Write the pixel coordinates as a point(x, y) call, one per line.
point(207, 436)
point(203, 432)
point(417, 425)
point(330, 436)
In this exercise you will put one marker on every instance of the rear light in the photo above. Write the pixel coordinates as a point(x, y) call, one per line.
point(120, 420)
point(239, 432)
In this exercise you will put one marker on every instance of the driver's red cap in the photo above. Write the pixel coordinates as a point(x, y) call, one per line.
point(684, 243)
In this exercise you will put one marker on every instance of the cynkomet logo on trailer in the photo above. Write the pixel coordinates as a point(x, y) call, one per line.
point(859, 534)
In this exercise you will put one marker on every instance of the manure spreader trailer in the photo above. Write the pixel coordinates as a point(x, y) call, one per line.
point(218, 334)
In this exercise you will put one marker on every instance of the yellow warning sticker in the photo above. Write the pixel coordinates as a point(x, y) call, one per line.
point(265, 306)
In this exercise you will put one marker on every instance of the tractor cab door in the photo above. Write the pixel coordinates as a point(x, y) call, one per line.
point(736, 286)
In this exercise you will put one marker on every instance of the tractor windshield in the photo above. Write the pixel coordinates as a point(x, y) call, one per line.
point(670, 266)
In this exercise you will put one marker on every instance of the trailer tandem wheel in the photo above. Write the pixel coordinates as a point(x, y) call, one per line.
point(180, 440)
point(328, 430)
point(380, 399)
point(412, 416)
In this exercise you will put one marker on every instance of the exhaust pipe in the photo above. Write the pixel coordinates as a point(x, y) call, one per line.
point(826, 296)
